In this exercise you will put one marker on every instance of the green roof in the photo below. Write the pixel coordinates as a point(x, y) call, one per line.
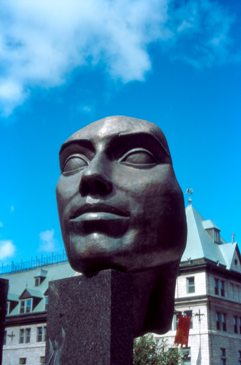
point(25, 280)
point(201, 245)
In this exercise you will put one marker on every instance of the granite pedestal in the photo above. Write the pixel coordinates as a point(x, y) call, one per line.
point(3, 299)
point(90, 320)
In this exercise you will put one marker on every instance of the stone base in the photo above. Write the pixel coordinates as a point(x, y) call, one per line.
point(3, 299)
point(90, 320)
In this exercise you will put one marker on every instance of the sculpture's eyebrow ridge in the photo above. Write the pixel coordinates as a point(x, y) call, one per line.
point(135, 138)
point(119, 140)
point(83, 142)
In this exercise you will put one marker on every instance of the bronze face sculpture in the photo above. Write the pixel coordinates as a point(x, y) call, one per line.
point(121, 208)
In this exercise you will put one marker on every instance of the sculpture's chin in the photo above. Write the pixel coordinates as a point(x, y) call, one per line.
point(97, 251)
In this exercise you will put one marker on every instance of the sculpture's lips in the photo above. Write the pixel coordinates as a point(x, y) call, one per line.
point(98, 211)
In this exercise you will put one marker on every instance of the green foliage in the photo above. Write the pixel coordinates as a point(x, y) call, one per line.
point(149, 350)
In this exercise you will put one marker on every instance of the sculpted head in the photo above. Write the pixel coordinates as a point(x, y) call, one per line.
point(120, 205)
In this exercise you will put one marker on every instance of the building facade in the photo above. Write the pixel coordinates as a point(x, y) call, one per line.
point(208, 290)
point(27, 306)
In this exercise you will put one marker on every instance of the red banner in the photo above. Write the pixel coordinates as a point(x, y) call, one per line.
point(182, 333)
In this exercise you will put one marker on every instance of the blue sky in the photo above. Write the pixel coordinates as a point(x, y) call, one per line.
point(66, 63)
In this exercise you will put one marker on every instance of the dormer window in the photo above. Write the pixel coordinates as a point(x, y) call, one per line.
point(40, 277)
point(216, 234)
point(28, 300)
point(12, 302)
point(212, 230)
point(38, 281)
point(8, 307)
point(26, 305)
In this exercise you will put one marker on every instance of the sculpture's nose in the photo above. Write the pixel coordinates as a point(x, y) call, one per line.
point(95, 179)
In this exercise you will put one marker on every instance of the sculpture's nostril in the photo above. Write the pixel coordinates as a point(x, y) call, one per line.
point(95, 184)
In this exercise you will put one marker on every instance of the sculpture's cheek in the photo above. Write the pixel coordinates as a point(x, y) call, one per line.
point(67, 187)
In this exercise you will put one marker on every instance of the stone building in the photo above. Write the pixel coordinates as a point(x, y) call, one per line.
point(25, 331)
point(208, 290)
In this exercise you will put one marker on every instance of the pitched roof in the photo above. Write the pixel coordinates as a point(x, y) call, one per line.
point(30, 293)
point(24, 281)
point(231, 255)
point(201, 245)
point(12, 297)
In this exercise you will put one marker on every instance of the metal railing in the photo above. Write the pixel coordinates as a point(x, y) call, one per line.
point(35, 262)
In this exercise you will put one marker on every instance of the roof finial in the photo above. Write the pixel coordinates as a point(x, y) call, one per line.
point(189, 192)
point(233, 237)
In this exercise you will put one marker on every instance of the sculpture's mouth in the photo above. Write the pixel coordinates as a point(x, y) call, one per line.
point(99, 218)
point(97, 212)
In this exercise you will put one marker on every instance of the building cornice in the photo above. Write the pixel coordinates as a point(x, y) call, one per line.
point(21, 320)
point(198, 265)
point(192, 300)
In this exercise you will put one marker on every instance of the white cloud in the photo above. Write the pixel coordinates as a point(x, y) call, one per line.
point(201, 33)
point(47, 240)
point(7, 249)
point(41, 41)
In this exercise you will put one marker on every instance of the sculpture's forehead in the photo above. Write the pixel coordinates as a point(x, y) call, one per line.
point(112, 126)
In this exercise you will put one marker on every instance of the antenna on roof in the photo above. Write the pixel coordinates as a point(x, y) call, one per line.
point(189, 192)
point(233, 237)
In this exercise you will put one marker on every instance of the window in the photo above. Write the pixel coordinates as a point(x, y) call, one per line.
point(221, 321)
point(235, 324)
point(239, 357)
point(11, 304)
point(26, 305)
point(27, 334)
point(231, 290)
point(21, 335)
point(8, 307)
point(5, 337)
point(218, 321)
point(186, 355)
point(24, 335)
point(22, 360)
point(190, 284)
point(42, 360)
point(235, 292)
point(222, 288)
point(223, 356)
point(216, 286)
point(41, 334)
point(187, 313)
point(38, 281)
point(224, 326)
point(216, 236)
point(219, 287)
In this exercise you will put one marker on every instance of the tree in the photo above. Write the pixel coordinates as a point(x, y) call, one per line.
point(150, 350)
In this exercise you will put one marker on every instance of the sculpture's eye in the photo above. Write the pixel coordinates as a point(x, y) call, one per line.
point(138, 157)
point(73, 164)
